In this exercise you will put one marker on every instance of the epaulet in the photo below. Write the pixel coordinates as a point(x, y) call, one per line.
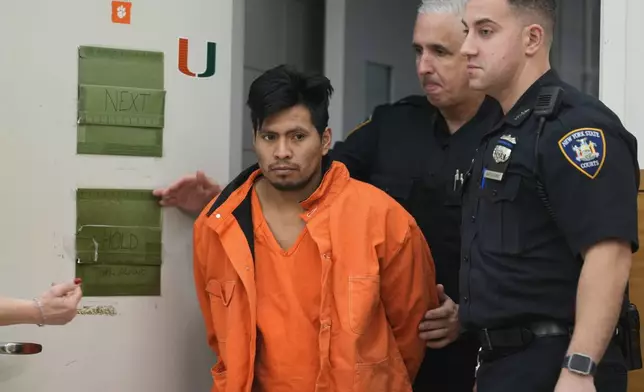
point(413, 100)
point(362, 124)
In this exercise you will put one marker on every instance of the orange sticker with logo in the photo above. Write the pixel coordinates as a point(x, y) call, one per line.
point(121, 11)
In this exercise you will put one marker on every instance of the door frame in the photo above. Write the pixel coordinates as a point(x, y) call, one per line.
point(613, 55)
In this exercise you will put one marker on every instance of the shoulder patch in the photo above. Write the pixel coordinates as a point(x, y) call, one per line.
point(585, 149)
point(362, 124)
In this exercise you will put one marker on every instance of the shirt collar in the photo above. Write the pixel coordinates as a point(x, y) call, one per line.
point(523, 107)
point(488, 107)
point(333, 181)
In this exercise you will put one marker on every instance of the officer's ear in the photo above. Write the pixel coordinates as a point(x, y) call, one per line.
point(534, 38)
point(326, 136)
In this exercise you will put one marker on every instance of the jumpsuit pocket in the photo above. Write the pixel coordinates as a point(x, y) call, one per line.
point(364, 298)
point(501, 216)
point(220, 295)
point(385, 376)
point(219, 376)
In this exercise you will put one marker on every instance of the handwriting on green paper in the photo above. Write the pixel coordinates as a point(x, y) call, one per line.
point(119, 280)
point(120, 106)
point(118, 242)
point(117, 245)
point(121, 102)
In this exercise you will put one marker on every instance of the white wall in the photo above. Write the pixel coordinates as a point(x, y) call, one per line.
point(154, 343)
point(368, 30)
point(622, 54)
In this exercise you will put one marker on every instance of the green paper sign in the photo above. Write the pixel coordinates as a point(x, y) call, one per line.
point(120, 67)
point(120, 106)
point(118, 242)
point(120, 280)
point(121, 102)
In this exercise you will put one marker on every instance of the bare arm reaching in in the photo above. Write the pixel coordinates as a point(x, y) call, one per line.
point(56, 306)
point(190, 193)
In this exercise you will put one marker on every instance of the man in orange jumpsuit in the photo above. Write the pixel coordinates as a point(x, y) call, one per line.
point(308, 280)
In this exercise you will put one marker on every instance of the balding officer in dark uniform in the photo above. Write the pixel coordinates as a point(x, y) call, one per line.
point(417, 150)
point(549, 215)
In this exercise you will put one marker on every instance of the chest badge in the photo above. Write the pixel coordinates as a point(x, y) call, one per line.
point(501, 153)
point(500, 157)
point(503, 149)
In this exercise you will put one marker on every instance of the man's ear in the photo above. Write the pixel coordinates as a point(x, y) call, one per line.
point(327, 136)
point(534, 39)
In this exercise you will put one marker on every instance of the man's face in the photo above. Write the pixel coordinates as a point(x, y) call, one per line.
point(494, 44)
point(441, 68)
point(289, 148)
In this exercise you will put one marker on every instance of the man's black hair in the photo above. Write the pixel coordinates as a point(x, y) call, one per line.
point(545, 8)
point(283, 87)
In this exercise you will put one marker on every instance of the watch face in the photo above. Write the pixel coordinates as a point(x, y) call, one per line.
point(580, 364)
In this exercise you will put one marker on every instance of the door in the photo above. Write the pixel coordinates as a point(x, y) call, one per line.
point(131, 343)
point(279, 32)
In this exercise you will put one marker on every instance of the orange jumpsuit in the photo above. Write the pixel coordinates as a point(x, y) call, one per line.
point(339, 311)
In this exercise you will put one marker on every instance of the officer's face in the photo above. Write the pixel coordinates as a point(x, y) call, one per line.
point(289, 149)
point(441, 68)
point(494, 44)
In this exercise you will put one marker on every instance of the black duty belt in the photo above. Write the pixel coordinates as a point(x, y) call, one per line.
point(519, 337)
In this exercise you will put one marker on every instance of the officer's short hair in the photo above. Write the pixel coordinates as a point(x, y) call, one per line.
point(442, 6)
point(283, 87)
point(546, 9)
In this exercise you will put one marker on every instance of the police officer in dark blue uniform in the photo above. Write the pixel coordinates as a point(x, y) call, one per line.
point(549, 215)
point(418, 150)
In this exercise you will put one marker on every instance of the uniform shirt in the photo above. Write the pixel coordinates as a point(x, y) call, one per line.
point(522, 253)
point(406, 150)
point(288, 300)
